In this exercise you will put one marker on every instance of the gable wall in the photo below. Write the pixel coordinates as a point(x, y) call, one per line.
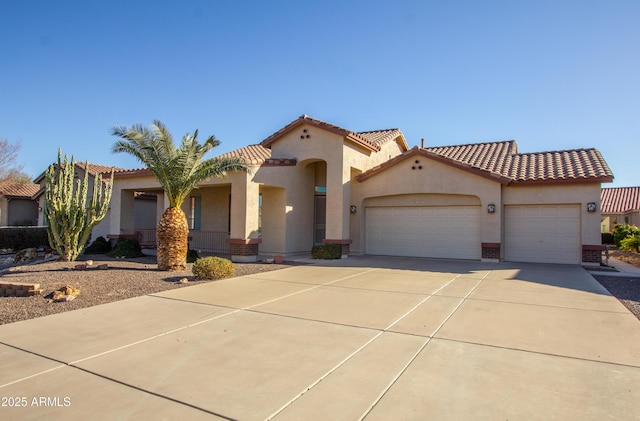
point(436, 184)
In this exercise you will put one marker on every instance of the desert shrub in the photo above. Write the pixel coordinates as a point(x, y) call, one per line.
point(623, 231)
point(631, 243)
point(126, 247)
point(213, 268)
point(326, 251)
point(99, 246)
point(192, 255)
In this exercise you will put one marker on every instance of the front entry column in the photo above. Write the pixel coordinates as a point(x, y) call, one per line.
point(244, 236)
point(338, 196)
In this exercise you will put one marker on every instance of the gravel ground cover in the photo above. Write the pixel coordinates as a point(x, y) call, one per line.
point(625, 289)
point(124, 278)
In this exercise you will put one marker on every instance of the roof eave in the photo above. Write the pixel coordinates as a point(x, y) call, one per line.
point(581, 180)
point(431, 155)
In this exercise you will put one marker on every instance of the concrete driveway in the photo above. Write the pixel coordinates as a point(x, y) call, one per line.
point(373, 338)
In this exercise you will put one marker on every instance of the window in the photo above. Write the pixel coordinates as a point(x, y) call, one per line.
point(195, 212)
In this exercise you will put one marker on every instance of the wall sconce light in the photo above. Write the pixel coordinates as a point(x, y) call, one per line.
point(491, 208)
point(591, 207)
point(353, 209)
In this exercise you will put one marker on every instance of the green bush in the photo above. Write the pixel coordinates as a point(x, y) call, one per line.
point(631, 243)
point(192, 255)
point(19, 238)
point(126, 247)
point(99, 246)
point(213, 268)
point(623, 231)
point(326, 251)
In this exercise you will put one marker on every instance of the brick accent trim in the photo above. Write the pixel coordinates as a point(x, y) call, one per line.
point(244, 247)
point(592, 253)
point(491, 250)
point(345, 245)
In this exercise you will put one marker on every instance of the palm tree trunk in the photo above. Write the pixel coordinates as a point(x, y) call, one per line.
point(172, 235)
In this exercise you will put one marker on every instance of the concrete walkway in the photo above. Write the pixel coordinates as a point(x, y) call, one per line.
point(362, 338)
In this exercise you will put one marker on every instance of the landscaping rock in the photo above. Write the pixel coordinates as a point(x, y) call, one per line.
point(64, 294)
point(26, 256)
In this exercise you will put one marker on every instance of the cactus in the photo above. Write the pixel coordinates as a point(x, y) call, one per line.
point(69, 218)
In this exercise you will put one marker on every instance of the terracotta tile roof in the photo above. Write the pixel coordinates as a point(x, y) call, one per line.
point(19, 190)
point(503, 158)
point(575, 164)
point(380, 137)
point(94, 169)
point(620, 199)
point(251, 155)
point(502, 162)
point(369, 140)
point(494, 157)
point(134, 172)
point(98, 169)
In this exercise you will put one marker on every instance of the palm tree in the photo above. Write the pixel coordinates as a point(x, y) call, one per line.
point(179, 170)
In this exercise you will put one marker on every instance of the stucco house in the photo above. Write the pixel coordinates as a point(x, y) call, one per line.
point(620, 205)
point(17, 206)
point(369, 192)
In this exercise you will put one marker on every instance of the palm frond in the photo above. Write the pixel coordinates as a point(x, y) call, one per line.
point(178, 169)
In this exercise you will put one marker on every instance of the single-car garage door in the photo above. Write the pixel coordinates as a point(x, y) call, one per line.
point(451, 232)
point(544, 234)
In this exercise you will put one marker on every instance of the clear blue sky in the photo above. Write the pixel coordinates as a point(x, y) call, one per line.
point(549, 74)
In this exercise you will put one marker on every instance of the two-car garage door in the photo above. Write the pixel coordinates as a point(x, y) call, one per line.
point(544, 234)
point(538, 233)
point(450, 232)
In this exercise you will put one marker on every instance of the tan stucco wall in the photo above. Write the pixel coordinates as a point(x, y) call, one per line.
point(341, 159)
point(565, 194)
point(436, 184)
point(121, 218)
point(214, 207)
point(274, 220)
point(292, 209)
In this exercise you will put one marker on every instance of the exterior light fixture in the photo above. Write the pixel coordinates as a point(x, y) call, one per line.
point(491, 208)
point(591, 207)
point(353, 209)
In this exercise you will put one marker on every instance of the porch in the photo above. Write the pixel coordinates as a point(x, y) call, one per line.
point(202, 241)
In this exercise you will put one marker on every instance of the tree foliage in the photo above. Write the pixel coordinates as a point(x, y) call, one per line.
point(9, 169)
point(623, 231)
point(178, 170)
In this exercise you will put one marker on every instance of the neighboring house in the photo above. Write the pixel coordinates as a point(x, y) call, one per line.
point(102, 228)
point(313, 182)
point(16, 204)
point(620, 205)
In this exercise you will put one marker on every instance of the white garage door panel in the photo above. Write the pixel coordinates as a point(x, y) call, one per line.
point(544, 234)
point(443, 232)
